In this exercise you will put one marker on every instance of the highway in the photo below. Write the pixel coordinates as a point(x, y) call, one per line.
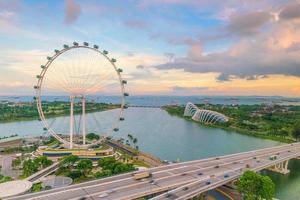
point(182, 180)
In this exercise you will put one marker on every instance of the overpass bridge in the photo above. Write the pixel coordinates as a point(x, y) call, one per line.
point(176, 181)
point(35, 178)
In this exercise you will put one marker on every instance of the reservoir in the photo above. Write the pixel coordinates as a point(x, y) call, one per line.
point(172, 138)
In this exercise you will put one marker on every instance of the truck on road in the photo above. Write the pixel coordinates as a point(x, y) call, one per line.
point(141, 175)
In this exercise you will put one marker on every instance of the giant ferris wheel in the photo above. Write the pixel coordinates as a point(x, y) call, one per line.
point(81, 75)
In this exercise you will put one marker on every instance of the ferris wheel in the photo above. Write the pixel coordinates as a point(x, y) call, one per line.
point(80, 76)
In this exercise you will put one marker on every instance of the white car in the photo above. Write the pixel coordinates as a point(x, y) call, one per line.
point(103, 195)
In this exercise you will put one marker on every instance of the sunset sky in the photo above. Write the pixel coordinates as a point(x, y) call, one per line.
point(165, 47)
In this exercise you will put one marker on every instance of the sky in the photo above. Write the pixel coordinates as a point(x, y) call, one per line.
point(165, 47)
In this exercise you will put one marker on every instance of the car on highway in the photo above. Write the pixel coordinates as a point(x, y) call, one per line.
point(208, 182)
point(273, 157)
point(185, 188)
point(226, 175)
point(200, 173)
point(168, 195)
point(103, 195)
point(111, 191)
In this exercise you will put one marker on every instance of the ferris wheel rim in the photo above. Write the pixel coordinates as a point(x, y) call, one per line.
point(38, 89)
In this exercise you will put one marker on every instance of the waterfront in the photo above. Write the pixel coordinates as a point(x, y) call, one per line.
point(172, 138)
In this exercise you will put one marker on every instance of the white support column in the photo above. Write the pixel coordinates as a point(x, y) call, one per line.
point(71, 121)
point(281, 167)
point(83, 120)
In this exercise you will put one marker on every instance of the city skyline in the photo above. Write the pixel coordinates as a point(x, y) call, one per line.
point(169, 47)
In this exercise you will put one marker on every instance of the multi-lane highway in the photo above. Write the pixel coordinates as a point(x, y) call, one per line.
point(181, 180)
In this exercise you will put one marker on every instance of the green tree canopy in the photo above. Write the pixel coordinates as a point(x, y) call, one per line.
point(85, 166)
point(42, 161)
point(255, 186)
point(107, 163)
point(296, 130)
point(69, 160)
point(92, 136)
point(29, 167)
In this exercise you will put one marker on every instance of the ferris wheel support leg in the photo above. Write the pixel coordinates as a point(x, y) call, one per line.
point(71, 121)
point(83, 120)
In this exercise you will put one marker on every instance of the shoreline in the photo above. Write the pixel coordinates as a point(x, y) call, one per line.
point(236, 130)
point(33, 118)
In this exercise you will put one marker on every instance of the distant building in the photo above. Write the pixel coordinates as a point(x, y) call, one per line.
point(93, 154)
point(15, 141)
point(204, 115)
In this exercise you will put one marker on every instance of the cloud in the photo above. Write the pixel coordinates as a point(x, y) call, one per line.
point(72, 11)
point(11, 5)
point(223, 77)
point(294, 47)
point(262, 46)
point(248, 24)
point(267, 53)
point(289, 12)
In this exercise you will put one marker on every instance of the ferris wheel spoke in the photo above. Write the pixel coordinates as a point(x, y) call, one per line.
point(100, 83)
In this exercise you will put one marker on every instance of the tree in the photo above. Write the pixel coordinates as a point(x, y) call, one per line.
point(29, 167)
point(42, 162)
point(296, 130)
point(74, 174)
point(16, 162)
point(121, 168)
point(69, 161)
point(107, 163)
point(255, 186)
point(267, 188)
point(103, 173)
point(5, 178)
point(92, 136)
point(284, 132)
point(85, 166)
point(37, 187)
